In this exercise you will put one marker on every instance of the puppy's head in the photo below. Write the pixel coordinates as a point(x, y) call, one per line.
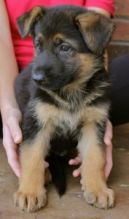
point(68, 41)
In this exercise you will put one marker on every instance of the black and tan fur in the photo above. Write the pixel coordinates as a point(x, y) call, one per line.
point(64, 99)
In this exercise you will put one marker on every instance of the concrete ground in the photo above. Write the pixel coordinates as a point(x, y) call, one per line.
point(72, 204)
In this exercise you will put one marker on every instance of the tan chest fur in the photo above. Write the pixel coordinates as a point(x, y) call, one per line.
point(47, 114)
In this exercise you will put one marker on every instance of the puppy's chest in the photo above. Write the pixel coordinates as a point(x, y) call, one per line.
point(64, 123)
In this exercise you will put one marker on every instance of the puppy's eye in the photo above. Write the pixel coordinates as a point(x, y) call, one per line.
point(65, 48)
point(39, 44)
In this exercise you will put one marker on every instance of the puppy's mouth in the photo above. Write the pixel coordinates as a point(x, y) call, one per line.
point(40, 80)
point(51, 81)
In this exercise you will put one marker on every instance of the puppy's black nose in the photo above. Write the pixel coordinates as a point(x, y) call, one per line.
point(37, 76)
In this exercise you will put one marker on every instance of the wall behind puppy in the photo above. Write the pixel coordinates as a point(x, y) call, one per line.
point(120, 41)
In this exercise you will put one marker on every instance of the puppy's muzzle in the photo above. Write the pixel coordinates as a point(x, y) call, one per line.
point(38, 75)
point(42, 67)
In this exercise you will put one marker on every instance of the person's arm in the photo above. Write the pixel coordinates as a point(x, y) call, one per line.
point(8, 106)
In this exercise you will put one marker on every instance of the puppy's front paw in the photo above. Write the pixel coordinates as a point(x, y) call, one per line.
point(103, 198)
point(30, 202)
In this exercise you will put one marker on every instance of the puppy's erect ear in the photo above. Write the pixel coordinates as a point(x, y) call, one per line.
point(27, 20)
point(96, 30)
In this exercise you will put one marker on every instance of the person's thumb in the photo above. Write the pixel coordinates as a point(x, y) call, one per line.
point(15, 130)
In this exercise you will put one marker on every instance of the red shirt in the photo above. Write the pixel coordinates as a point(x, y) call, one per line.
point(24, 47)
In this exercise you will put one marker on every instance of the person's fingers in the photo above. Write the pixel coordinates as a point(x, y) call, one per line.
point(108, 133)
point(109, 162)
point(109, 146)
point(75, 161)
point(46, 164)
point(14, 164)
point(15, 130)
point(11, 151)
point(77, 172)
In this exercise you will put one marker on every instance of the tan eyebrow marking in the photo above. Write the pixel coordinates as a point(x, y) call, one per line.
point(61, 36)
point(40, 35)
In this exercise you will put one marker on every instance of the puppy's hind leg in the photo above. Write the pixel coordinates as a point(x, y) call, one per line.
point(94, 185)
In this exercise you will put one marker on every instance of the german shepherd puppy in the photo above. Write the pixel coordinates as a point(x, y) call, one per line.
point(64, 99)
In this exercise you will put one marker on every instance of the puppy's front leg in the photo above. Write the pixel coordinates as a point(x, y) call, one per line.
point(31, 194)
point(94, 185)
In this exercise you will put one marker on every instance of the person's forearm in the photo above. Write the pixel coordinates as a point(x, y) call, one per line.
point(8, 73)
point(8, 65)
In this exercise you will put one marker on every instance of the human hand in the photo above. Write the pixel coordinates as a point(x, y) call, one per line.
point(12, 137)
point(108, 143)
